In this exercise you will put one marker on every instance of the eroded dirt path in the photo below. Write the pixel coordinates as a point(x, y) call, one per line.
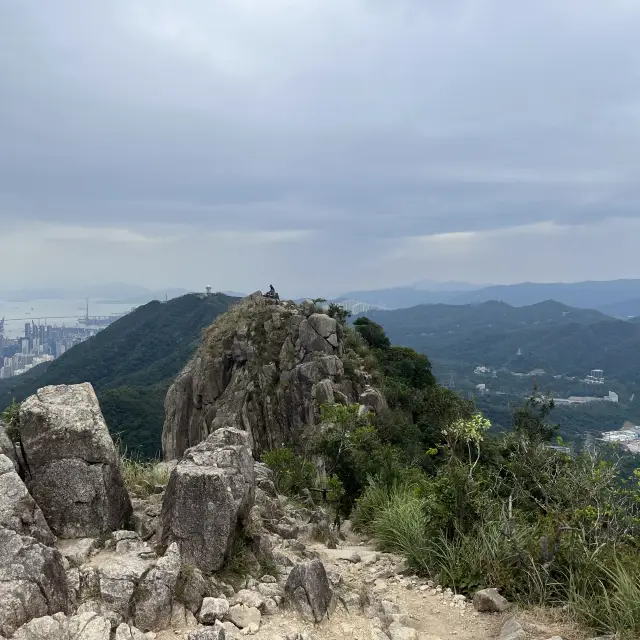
point(372, 587)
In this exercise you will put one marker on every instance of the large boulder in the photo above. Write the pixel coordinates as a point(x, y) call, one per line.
point(33, 582)
point(264, 367)
point(309, 589)
point(71, 464)
point(210, 493)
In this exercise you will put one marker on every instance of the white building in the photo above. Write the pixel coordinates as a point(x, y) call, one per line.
point(480, 370)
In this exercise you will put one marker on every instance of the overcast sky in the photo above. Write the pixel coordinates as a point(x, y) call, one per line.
point(322, 145)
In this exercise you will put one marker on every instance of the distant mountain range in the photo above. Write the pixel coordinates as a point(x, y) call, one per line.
point(547, 335)
point(617, 298)
point(131, 364)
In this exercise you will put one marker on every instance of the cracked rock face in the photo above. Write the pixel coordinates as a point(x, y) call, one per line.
point(210, 493)
point(264, 367)
point(18, 510)
point(33, 582)
point(71, 465)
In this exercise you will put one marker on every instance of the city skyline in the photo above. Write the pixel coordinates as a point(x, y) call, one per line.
point(38, 344)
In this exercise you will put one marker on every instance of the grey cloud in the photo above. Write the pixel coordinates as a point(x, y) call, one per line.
point(367, 119)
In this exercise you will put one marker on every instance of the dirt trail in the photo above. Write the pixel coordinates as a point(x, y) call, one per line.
point(434, 615)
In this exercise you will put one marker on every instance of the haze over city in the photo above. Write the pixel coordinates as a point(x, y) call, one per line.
point(321, 145)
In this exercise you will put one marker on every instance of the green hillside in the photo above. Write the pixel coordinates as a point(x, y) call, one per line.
point(131, 365)
point(548, 335)
point(564, 342)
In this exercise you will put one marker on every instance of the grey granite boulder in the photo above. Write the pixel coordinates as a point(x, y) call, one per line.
point(73, 468)
point(85, 626)
point(153, 599)
point(33, 582)
point(125, 632)
point(118, 578)
point(309, 589)
point(512, 630)
point(216, 632)
point(18, 510)
point(210, 493)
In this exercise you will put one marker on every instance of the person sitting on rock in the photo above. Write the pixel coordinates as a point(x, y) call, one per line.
point(272, 293)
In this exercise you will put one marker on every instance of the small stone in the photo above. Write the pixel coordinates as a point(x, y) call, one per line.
point(512, 630)
point(355, 558)
point(213, 609)
point(398, 632)
point(490, 601)
point(389, 608)
point(216, 632)
point(249, 598)
point(242, 616)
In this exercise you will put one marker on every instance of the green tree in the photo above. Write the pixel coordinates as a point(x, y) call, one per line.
point(373, 333)
point(338, 312)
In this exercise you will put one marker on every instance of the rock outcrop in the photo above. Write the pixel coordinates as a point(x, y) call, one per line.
point(264, 367)
point(86, 626)
point(210, 493)
point(309, 589)
point(18, 510)
point(71, 465)
point(33, 582)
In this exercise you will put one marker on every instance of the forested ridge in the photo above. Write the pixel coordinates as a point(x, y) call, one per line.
point(131, 364)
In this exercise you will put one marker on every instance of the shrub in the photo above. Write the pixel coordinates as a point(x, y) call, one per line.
point(11, 418)
point(373, 333)
point(291, 473)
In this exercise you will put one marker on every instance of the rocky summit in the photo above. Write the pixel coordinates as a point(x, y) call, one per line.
point(265, 367)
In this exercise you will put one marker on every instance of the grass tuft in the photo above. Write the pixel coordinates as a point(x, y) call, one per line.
point(143, 479)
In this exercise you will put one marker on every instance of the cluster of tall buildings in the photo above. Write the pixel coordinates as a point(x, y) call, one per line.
point(40, 343)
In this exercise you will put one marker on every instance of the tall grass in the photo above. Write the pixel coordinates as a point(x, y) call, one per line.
point(143, 478)
point(607, 598)
point(602, 592)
